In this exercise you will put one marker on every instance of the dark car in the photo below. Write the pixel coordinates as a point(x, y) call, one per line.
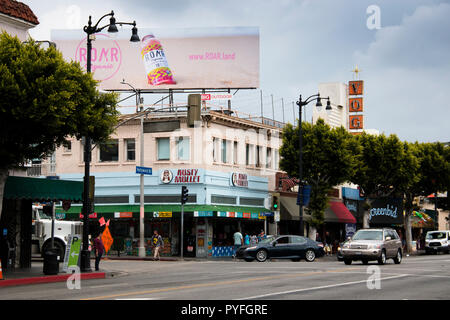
point(282, 247)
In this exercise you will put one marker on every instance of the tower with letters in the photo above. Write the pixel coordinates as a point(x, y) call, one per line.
point(356, 104)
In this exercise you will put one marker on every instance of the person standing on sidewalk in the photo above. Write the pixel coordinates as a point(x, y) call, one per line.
point(238, 239)
point(158, 243)
point(98, 249)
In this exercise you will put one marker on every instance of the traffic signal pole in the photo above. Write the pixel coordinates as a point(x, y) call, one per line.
point(182, 228)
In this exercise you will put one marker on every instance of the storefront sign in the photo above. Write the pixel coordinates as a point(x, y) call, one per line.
point(123, 214)
point(162, 214)
point(60, 216)
point(350, 229)
point(246, 215)
point(386, 211)
point(261, 216)
point(203, 213)
point(181, 176)
point(239, 180)
point(255, 216)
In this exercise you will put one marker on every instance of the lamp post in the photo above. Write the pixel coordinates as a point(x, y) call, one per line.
point(85, 264)
point(141, 198)
point(302, 103)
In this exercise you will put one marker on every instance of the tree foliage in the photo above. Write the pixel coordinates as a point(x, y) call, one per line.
point(44, 100)
point(327, 160)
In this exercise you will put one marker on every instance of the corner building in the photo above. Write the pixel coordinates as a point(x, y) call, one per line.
point(228, 164)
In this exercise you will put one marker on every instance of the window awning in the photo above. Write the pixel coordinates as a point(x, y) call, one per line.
point(289, 209)
point(338, 212)
point(38, 189)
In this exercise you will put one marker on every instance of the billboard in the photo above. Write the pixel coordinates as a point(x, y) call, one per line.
point(192, 58)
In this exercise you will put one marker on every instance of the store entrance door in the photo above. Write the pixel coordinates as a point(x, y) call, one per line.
point(190, 233)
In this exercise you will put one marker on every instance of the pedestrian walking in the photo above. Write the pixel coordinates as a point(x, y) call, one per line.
point(98, 250)
point(238, 240)
point(261, 236)
point(247, 239)
point(157, 243)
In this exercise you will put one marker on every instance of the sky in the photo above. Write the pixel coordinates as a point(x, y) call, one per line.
point(402, 48)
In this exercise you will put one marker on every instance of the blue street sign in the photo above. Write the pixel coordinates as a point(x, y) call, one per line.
point(304, 193)
point(143, 170)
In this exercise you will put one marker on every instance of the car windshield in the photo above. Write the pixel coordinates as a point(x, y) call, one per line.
point(436, 235)
point(267, 240)
point(368, 235)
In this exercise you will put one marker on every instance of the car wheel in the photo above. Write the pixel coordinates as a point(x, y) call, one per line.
point(347, 261)
point(310, 255)
point(365, 261)
point(398, 257)
point(382, 258)
point(261, 255)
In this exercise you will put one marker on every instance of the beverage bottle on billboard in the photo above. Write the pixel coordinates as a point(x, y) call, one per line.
point(155, 62)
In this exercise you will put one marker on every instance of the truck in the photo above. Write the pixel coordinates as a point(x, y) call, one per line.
point(42, 231)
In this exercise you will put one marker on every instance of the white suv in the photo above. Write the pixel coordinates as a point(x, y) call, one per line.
point(437, 241)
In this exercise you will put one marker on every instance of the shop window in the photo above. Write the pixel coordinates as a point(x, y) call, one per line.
point(163, 146)
point(183, 150)
point(130, 147)
point(252, 202)
point(248, 154)
point(215, 150)
point(109, 151)
point(223, 199)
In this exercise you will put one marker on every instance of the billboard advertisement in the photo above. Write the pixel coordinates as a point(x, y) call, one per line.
point(192, 58)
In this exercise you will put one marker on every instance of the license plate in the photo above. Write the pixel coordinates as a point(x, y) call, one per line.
point(358, 252)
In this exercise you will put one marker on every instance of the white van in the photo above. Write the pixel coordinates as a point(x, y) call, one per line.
point(437, 241)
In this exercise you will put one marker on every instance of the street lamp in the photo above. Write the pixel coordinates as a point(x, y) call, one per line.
point(85, 264)
point(141, 210)
point(302, 103)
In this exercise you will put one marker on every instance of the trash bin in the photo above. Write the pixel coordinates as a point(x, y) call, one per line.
point(51, 264)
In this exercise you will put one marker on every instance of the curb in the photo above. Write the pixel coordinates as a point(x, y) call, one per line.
point(49, 279)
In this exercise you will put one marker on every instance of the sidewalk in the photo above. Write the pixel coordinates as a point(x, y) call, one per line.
point(35, 275)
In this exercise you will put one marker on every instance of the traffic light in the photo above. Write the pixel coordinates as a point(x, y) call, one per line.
point(276, 202)
point(184, 194)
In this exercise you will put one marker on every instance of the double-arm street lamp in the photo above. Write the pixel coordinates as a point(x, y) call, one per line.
point(302, 103)
point(85, 265)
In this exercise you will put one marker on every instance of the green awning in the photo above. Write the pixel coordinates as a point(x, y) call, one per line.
point(38, 189)
point(107, 211)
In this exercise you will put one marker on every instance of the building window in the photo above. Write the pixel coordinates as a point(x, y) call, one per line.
point(235, 152)
point(275, 159)
point(258, 156)
point(130, 147)
point(67, 145)
point(259, 202)
point(163, 146)
point(183, 148)
point(109, 151)
point(224, 151)
point(269, 158)
point(222, 199)
point(248, 154)
point(215, 150)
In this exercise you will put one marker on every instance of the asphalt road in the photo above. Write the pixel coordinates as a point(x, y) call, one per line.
point(419, 277)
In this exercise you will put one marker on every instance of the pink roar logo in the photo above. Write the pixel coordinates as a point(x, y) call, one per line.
point(106, 57)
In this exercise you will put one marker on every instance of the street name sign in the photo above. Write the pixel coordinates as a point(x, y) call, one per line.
point(143, 170)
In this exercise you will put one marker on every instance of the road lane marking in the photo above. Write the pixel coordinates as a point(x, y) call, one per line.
point(109, 285)
point(204, 285)
point(316, 288)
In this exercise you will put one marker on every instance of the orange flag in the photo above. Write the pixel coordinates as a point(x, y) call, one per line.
point(107, 239)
